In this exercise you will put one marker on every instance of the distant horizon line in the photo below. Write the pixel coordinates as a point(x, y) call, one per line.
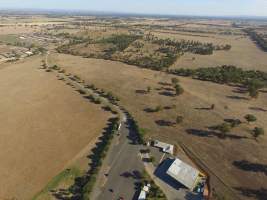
point(119, 13)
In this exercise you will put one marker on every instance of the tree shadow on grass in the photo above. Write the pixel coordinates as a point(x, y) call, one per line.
point(75, 191)
point(203, 108)
point(258, 109)
point(248, 166)
point(168, 89)
point(141, 91)
point(240, 90)
point(237, 97)
point(259, 194)
point(206, 133)
point(149, 110)
point(164, 83)
point(167, 93)
point(164, 123)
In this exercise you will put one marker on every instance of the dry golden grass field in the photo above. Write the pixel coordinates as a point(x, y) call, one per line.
point(227, 157)
point(45, 127)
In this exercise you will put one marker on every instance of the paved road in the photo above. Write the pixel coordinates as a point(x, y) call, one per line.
point(118, 176)
point(122, 165)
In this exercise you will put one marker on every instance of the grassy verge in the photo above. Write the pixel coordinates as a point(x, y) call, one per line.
point(65, 177)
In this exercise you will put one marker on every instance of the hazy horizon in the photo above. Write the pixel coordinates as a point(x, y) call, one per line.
point(257, 8)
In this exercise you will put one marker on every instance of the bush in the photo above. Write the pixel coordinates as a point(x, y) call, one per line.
point(175, 81)
point(224, 128)
point(178, 89)
point(250, 118)
point(257, 132)
point(179, 119)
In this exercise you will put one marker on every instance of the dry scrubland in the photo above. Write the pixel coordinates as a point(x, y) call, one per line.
point(45, 127)
point(125, 82)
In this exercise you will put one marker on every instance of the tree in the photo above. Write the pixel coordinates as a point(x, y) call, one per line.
point(253, 92)
point(175, 81)
point(178, 89)
point(179, 119)
point(250, 118)
point(257, 132)
point(224, 128)
point(253, 86)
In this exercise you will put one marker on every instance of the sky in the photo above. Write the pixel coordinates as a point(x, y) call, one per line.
point(169, 7)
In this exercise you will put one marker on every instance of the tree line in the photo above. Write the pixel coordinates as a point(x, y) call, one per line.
point(253, 80)
point(260, 41)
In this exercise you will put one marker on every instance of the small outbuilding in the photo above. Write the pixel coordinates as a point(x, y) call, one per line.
point(166, 148)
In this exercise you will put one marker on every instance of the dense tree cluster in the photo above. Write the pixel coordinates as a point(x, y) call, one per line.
point(153, 63)
point(162, 58)
point(121, 41)
point(191, 46)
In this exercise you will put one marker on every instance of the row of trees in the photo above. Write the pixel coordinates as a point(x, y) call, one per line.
point(259, 39)
point(226, 74)
point(83, 186)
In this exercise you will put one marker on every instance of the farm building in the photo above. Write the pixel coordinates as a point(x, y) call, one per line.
point(167, 148)
point(185, 174)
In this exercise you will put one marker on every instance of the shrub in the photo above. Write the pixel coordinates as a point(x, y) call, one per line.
point(175, 81)
point(250, 118)
point(179, 119)
point(257, 132)
point(178, 89)
point(224, 128)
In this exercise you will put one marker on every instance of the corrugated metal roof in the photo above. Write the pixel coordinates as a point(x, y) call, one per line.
point(183, 173)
